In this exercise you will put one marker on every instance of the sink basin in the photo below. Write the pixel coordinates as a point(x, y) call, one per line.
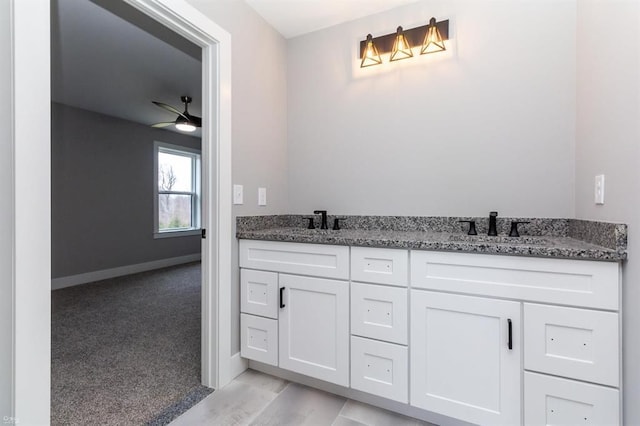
point(500, 239)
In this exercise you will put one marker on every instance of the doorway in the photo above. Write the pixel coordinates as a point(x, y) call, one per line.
point(31, 100)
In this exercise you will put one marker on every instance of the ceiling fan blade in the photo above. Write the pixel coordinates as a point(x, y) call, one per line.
point(169, 108)
point(165, 124)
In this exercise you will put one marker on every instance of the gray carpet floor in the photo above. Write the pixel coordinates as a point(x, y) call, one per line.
point(126, 351)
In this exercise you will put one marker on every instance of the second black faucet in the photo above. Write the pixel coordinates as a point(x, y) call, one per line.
point(493, 231)
point(323, 224)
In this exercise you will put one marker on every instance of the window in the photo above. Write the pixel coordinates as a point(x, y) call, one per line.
point(177, 191)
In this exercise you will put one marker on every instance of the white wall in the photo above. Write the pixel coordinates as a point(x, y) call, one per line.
point(608, 142)
point(6, 214)
point(488, 125)
point(259, 115)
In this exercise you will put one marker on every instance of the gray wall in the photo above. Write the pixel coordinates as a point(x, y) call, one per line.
point(487, 125)
point(6, 213)
point(102, 193)
point(259, 127)
point(608, 142)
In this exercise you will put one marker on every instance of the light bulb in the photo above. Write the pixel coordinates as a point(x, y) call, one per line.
point(185, 127)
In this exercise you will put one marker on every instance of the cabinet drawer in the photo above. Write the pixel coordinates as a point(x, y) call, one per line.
point(305, 259)
point(381, 266)
point(380, 368)
point(259, 293)
point(555, 401)
point(259, 339)
point(569, 282)
point(576, 343)
point(379, 312)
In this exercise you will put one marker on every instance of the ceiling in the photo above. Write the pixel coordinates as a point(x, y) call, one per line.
point(104, 63)
point(296, 17)
point(109, 58)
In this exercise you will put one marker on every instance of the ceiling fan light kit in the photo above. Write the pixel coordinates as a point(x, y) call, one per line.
point(184, 122)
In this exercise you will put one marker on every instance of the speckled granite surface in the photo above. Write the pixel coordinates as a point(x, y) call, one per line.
point(562, 238)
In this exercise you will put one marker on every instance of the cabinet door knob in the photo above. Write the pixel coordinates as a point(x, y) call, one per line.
point(281, 298)
point(510, 342)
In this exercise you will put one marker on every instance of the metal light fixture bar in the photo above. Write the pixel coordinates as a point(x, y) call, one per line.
point(415, 37)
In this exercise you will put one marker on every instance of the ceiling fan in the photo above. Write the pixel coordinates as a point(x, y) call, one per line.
point(184, 121)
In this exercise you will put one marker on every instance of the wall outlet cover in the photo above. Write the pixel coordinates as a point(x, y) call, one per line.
point(262, 196)
point(599, 190)
point(237, 194)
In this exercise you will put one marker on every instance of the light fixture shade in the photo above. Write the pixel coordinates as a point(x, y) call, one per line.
point(401, 47)
point(433, 39)
point(370, 56)
point(185, 125)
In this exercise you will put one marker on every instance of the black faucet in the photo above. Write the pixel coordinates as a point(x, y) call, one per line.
point(492, 224)
point(324, 218)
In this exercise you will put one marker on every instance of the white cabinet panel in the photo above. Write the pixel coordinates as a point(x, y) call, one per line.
point(259, 339)
point(314, 328)
point(576, 343)
point(380, 265)
point(556, 401)
point(306, 259)
point(259, 293)
point(563, 281)
point(379, 312)
point(380, 368)
point(461, 364)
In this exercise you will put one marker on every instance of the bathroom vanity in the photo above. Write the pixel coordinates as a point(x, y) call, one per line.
point(487, 331)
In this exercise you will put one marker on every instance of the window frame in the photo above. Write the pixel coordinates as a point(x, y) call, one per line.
point(196, 199)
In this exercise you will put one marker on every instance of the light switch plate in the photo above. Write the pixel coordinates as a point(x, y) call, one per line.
point(237, 194)
point(599, 190)
point(262, 196)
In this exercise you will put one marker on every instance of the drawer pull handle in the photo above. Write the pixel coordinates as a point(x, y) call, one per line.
point(281, 298)
point(510, 342)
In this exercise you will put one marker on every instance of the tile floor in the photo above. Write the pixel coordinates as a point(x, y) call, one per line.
point(259, 399)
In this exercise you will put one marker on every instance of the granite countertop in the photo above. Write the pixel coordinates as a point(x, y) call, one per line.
point(557, 238)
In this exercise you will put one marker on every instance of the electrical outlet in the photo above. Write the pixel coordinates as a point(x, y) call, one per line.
point(237, 194)
point(262, 196)
point(599, 190)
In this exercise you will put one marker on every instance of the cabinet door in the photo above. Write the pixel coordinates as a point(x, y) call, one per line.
point(461, 361)
point(314, 328)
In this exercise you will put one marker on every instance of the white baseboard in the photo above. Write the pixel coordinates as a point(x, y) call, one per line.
point(238, 365)
point(89, 277)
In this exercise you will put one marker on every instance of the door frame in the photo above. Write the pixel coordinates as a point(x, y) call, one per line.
point(31, 141)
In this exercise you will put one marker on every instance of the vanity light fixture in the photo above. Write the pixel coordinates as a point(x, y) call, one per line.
point(433, 39)
point(430, 37)
point(401, 47)
point(370, 56)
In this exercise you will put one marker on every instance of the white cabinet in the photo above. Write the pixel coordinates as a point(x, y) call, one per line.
point(380, 368)
point(314, 328)
point(379, 312)
point(318, 260)
point(561, 402)
point(576, 343)
point(296, 322)
point(564, 281)
point(465, 357)
point(259, 293)
point(259, 338)
point(487, 339)
point(380, 265)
